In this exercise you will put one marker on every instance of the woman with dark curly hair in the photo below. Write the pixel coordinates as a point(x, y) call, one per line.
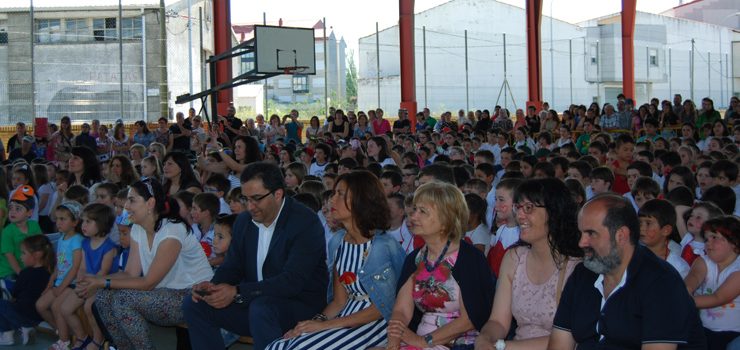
point(533, 274)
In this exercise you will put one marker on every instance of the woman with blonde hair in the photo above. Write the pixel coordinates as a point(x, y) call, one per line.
point(446, 282)
point(157, 150)
point(137, 152)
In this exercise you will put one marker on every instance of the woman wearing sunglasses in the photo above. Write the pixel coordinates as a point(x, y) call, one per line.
point(533, 273)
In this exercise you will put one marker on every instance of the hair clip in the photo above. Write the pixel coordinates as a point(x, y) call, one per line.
point(148, 183)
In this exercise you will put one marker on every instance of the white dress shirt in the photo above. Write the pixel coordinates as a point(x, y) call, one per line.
point(263, 240)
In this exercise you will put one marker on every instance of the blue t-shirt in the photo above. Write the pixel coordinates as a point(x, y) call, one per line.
point(94, 257)
point(65, 256)
point(144, 139)
point(292, 132)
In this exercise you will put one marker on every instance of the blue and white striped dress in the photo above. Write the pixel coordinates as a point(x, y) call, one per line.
point(350, 259)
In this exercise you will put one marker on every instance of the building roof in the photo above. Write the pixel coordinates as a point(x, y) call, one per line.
point(690, 3)
point(77, 5)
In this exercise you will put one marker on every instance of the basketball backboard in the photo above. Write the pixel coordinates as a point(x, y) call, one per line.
point(281, 50)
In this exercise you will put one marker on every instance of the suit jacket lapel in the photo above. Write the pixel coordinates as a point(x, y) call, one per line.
point(250, 253)
point(279, 228)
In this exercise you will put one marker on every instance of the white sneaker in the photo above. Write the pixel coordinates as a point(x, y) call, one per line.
point(45, 325)
point(6, 338)
point(60, 345)
point(26, 334)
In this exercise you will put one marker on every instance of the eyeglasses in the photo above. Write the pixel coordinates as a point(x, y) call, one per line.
point(254, 199)
point(527, 208)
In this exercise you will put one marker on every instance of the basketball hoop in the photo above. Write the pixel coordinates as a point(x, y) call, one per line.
point(293, 70)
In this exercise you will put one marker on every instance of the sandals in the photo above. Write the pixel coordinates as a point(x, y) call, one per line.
point(99, 346)
point(84, 344)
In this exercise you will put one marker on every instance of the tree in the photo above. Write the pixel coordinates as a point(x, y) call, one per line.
point(351, 87)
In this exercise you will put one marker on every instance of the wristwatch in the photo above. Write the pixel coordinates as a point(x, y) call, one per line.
point(238, 298)
point(429, 340)
point(500, 344)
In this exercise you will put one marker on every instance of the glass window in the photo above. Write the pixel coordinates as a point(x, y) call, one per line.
point(653, 54)
point(76, 30)
point(247, 62)
point(104, 29)
point(594, 54)
point(131, 28)
point(3, 31)
point(48, 30)
point(300, 83)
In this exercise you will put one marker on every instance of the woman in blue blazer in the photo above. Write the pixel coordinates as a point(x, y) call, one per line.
point(364, 266)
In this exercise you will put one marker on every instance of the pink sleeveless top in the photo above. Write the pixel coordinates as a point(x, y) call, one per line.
point(533, 305)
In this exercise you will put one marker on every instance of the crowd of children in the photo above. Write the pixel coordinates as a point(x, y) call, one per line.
point(683, 184)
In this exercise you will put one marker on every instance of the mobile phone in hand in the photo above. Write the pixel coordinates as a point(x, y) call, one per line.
point(203, 292)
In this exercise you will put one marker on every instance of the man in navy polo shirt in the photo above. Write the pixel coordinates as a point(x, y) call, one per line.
point(622, 296)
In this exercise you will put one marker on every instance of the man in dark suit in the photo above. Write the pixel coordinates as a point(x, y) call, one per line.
point(274, 273)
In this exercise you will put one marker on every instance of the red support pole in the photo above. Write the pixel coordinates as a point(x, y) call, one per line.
point(534, 52)
point(629, 8)
point(408, 71)
point(222, 42)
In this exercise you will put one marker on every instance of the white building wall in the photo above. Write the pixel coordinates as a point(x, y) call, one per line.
point(712, 45)
point(445, 53)
point(487, 21)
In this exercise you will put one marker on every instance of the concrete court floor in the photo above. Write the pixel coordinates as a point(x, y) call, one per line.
point(164, 339)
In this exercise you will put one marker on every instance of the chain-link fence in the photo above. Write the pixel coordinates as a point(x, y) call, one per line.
point(481, 61)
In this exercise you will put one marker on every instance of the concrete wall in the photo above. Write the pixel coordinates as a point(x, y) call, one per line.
point(4, 84)
point(712, 44)
point(88, 85)
point(720, 12)
point(18, 74)
point(83, 79)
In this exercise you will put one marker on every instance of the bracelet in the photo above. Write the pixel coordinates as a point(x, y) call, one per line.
point(320, 317)
point(107, 283)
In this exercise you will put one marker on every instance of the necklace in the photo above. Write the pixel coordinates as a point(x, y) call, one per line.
point(439, 258)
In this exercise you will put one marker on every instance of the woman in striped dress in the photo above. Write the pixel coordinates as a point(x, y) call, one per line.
point(364, 267)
